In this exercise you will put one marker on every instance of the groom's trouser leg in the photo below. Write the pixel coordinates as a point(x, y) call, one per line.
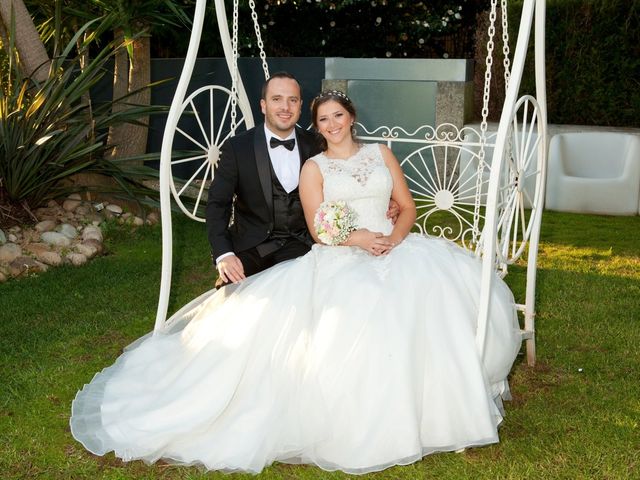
point(253, 263)
point(293, 248)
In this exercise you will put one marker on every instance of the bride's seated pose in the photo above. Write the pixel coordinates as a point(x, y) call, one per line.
point(357, 356)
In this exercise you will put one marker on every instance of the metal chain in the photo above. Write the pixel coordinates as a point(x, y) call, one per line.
point(483, 124)
point(489, 65)
point(256, 27)
point(507, 76)
point(234, 67)
point(505, 44)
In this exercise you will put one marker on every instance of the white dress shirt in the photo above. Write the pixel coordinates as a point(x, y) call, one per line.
point(286, 163)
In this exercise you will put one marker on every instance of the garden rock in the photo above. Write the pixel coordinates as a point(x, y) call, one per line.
point(36, 248)
point(153, 218)
point(93, 244)
point(72, 202)
point(50, 212)
point(55, 238)
point(94, 219)
point(116, 210)
point(25, 264)
point(30, 236)
point(86, 249)
point(52, 259)
point(68, 234)
point(68, 231)
point(82, 210)
point(76, 259)
point(91, 232)
point(43, 253)
point(9, 252)
point(45, 226)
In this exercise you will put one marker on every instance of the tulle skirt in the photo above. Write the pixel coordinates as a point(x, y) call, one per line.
point(338, 358)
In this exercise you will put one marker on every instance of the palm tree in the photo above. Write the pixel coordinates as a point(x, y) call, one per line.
point(134, 21)
point(33, 55)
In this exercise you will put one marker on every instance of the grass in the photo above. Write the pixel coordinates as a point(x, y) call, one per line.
point(574, 416)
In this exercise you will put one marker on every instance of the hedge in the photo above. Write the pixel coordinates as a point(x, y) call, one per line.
point(593, 46)
point(592, 61)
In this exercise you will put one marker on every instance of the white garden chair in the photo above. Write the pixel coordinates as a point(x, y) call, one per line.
point(594, 172)
point(495, 215)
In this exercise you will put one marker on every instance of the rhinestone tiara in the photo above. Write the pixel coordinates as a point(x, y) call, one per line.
point(333, 93)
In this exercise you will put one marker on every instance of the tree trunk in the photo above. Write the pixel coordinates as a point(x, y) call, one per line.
point(129, 76)
point(4, 38)
point(33, 55)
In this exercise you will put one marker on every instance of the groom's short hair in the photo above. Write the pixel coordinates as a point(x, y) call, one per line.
point(283, 74)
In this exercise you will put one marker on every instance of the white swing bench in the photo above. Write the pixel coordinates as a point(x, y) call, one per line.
point(489, 204)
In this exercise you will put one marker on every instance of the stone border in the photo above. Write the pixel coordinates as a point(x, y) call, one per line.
point(66, 234)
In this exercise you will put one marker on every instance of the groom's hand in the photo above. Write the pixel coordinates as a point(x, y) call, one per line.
point(393, 211)
point(230, 269)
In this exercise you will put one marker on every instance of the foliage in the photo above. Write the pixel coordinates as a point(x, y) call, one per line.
point(343, 28)
point(133, 17)
point(49, 132)
point(573, 416)
point(592, 61)
point(371, 28)
point(601, 83)
point(593, 46)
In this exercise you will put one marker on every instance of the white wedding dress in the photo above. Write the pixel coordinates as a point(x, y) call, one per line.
point(339, 358)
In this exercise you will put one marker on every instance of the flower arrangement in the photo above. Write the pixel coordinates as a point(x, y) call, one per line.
point(334, 221)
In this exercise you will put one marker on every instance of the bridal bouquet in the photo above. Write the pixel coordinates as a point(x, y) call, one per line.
point(334, 221)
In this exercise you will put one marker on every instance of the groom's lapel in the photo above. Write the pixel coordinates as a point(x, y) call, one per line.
point(263, 164)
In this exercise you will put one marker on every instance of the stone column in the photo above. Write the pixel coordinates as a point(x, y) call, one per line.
point(454, 103)
point(335, 84)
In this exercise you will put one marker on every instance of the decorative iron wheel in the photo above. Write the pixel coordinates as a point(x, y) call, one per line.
point(443, 181)
point(207, 111)
point(521, 182)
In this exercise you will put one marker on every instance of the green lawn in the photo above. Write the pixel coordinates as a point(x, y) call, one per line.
point(574, 416)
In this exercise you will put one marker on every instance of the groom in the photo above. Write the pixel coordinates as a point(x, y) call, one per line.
point(257, 179)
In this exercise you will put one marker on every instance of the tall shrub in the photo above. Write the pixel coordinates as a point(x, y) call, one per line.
point(48, 133)
point(593, 58)
point(592, 61)
point(344, 28)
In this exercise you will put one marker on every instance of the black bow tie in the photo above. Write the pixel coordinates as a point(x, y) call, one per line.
point(288, 144)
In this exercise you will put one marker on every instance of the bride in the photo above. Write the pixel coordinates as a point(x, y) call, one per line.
point(357, 356)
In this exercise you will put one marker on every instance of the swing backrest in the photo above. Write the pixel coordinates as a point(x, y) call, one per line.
point(441, 168)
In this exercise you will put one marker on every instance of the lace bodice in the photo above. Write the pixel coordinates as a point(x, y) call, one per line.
point(363, 181)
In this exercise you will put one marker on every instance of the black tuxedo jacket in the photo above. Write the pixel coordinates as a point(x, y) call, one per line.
point(244, 170)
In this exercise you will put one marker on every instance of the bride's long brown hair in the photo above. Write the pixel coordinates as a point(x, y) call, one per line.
point(324, 97)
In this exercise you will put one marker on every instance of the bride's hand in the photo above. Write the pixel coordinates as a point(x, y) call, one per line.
point(392, 244)
point(373, 242)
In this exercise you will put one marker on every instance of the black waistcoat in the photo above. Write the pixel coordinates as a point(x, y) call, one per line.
point(288, 218)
